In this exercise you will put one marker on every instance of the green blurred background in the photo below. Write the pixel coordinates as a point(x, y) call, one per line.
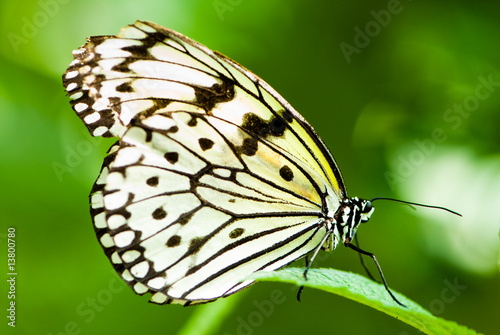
point(406, 95)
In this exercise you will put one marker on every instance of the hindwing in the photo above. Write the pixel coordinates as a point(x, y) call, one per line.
point(186, 214)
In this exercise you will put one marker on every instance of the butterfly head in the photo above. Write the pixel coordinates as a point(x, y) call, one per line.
point(351, 213)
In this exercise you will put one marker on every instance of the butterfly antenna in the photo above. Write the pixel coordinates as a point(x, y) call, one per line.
point(416, 204)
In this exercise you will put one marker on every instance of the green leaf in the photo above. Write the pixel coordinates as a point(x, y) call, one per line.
point(368, 292)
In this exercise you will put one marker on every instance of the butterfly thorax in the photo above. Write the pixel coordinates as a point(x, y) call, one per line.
point(350, 214)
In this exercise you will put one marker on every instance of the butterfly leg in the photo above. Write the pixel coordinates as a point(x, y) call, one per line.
point(318, 248)
point(361, 251)
point(363, 262)
point(309, 262)
point(302, 287)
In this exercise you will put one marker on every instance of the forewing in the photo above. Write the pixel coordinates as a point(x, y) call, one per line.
point(147, 69)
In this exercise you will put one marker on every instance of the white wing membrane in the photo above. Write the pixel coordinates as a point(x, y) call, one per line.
point(173, 227)
point(114, 78)
point(215, 175)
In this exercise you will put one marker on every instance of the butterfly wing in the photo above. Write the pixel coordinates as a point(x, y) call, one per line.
point(188, 221)
point(215, 175)
point(148, 68)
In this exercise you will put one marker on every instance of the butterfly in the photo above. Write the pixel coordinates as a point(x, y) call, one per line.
point(214, 175)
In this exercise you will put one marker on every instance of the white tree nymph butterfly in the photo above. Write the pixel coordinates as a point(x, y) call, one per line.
point(214, 175)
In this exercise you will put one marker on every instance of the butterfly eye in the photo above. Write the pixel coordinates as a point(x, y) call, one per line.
point(367, 207)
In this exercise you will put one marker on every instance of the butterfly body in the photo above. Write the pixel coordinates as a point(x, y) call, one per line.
point(214, 175)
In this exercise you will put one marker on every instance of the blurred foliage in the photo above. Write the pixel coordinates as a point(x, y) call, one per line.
point(406, 94)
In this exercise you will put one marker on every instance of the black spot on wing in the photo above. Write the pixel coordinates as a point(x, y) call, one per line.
point(174, 241)
point(172, 157)
point(159, 214)
point(142, 50)
point(286, 173)
point(125, 88)
point(205, 144)
point(195, 244)
point(249, 146)
point(158, 104)
point(124, 66)
point(287, 116)
point(236, 233)
point(193, 122)
point(208, 98)
point(263, 128)
point(153, 181)
point(277, 127)
point(184, 219)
